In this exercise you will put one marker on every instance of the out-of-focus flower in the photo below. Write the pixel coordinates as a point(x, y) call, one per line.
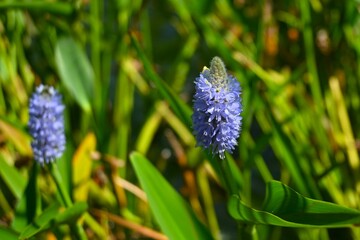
point(217, 108)
point(46, 124)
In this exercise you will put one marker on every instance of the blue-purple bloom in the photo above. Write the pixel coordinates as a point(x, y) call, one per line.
point(217, 108)
point(46, 124)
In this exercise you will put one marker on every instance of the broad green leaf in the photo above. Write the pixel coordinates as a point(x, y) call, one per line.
point(174, 216)
point(75, 71)
point(8, 234)
point(285, 207)
point(12, 178)
point(81, 165)
point(53, 216)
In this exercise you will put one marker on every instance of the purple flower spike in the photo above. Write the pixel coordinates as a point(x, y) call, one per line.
point(46, 124)
point(217, 108)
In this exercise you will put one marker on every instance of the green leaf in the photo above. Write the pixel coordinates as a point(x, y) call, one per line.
point(174, 216)
point(39, 224)
point(70, 214)
point(75, 71)
point(53, 216)
point(29, 204)
point(8, 234)
point(285, 207)
point(13, 179)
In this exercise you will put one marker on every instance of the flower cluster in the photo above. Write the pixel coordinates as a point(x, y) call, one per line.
point(46, 124)
point(217, 108)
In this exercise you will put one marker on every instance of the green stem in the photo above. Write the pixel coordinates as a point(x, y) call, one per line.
point(228, 177)
point(245, 229)
point(224, 177)
point(79, 231)
point(59, 184)
point(95, 38)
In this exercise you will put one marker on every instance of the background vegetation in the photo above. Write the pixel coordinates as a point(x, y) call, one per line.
point(126, 71)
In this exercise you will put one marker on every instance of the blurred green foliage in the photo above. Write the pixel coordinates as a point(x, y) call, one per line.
point(126, 71)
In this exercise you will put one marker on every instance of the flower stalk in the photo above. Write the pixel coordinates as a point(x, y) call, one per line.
point(46, 126)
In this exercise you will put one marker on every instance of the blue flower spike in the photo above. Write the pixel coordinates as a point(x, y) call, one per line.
point(46, 124)
point(217, 108)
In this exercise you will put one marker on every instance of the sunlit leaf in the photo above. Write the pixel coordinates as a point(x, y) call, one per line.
point(81, 165)
point(174, 216)
point(19, 138)
point(101, 196)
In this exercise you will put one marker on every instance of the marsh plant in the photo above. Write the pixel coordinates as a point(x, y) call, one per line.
point(179, 119)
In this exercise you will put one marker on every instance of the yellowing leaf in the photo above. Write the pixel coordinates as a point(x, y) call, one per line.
point(20, 139)
point(82, 164)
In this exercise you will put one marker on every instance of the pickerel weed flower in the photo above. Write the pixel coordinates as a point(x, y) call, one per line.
point(217, 108)
point(46, 124)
